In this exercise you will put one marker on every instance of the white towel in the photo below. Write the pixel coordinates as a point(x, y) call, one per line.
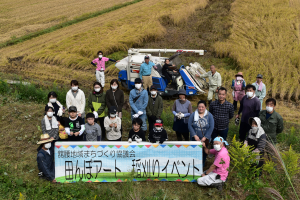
point(60, 110)
point(196, 116)
point(53, 121)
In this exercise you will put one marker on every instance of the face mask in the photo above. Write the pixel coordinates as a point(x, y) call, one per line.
point(182, 100)
point(217, 147)
point(239, 78)
point(52, 100)
point(153, 93)
point(113, 115)
point(255, 129)
point(249, 94)
point(158, 128)
point(50, 114)
point(138, 86)
point(97, 89)
point(269, 109)
point(75, 88)
point(114, 87)
point(100, 56)
point(48, 145)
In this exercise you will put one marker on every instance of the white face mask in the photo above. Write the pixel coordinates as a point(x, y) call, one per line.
point(158, 128)
point(100, 56)
point(217, 147)
point(75, 88)
point(97, 89)
point(138, 86)
point(249, 94)
point(113, 115)
point(153, 93)
point(254, 128)
point(52, 100)
point(269, 109)
point(48, 145)
point(50, 114)
point(114, 87)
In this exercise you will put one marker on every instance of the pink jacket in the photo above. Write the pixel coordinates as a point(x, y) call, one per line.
point(100, 63)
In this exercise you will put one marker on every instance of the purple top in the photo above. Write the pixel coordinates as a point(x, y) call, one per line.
point(249, 108)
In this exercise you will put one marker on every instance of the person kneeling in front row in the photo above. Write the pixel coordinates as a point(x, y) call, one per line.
point(217, 174)
point(158, 134)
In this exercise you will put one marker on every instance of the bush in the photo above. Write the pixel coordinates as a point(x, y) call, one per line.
point(290, 138)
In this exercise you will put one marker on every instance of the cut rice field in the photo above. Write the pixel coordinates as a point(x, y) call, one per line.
point(18, 18)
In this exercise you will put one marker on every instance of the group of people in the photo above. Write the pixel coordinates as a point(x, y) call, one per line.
point(206, 125)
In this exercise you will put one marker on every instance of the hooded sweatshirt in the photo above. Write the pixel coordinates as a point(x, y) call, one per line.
point(257, 138)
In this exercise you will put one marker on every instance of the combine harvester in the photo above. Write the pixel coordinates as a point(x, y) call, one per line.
point(184, 79)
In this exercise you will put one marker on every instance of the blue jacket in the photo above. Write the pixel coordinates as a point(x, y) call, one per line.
point(141, 103)
point(145, 69)
point(207, 124)
point(45, 163)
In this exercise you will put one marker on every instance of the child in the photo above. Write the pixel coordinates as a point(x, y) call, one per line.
point(136, 133)
point(92, 129)
point(112, 124)
point(256, 138)
point(49, 123)
point(74, 125)
point(158, 134)
point(63, 136)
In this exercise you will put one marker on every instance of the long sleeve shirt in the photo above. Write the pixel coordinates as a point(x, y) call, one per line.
point(145, 69)
point(222, 113)
point(45, 163)
point(202, 127)
point(249, 108)
point(214, 80)
point(141, 103)
point(100, 63)
point(260, 94)
point(112, 133)
point(78, 101)
point(272, 126)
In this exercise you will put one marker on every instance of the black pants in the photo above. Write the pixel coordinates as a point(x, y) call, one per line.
point(185, 135)
point(76, 138)
point(120, 139)
point(235, 105)
point(244, 129)
point(151, 123)
point(103, 131)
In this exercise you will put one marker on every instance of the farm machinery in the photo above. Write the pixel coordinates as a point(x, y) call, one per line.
point(184, 78)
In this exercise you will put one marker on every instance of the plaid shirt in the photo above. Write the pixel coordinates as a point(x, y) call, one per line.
point(222, 113)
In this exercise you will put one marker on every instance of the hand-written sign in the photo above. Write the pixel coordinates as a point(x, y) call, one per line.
point(121, 161)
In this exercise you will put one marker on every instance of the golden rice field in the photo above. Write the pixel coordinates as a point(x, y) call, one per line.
point(265, 39)
point(20, 17)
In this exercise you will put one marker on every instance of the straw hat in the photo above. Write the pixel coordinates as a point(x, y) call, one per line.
point(240, 74)
point(45, 138)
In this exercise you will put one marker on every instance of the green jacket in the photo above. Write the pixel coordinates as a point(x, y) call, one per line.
point(272, 126)
point(155, 109)
point(96, 102)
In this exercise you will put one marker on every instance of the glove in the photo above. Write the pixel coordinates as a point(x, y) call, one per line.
point(140, 113)
point(138, 140)
point(96, 114)
point(129, 140)
point(135, 115)
point(153, 118)
point(178, 115)
point(181, 115)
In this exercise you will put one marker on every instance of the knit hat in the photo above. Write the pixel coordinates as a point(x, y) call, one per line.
point(45, 138)
point(137, 80)
point(90, 115)
point(158, 122)
point(72, 109)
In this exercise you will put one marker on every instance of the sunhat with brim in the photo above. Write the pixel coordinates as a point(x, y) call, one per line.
point(45, 138)
point(239, 74)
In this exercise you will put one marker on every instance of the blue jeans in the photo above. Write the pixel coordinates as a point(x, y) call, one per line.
point(204, 155)
point(221, 133)
point(143, 117)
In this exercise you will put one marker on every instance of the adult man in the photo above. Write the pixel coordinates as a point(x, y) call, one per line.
point(217, 174)
point(45, 158)
point(154, 107)
point(222, 112)
point(250, 107)
point(145, 72)
point(260, 91)
point(138, 99)
point(215, 82)
point(271, 121)
point(100, 64)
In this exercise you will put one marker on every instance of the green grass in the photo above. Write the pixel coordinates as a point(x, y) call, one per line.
point(16, 40)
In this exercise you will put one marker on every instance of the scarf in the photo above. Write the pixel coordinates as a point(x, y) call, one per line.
point(60, 110)
point(53, 121)
point(196, 116)
point(260, 86)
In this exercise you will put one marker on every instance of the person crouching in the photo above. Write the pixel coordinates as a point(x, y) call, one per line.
point(112, 124)
point(217, 174)
point(158, 133)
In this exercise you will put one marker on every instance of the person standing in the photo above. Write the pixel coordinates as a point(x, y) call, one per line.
point(222, 112)
point(250, 107)
point(260, 91)
point(215, 82)
point(238, 86)
point(138, 100)
point(182, 109)
point(100, 64)
point(145, 72)
point(271, 121)
point(74, 125)
point(97, 104)
point(49, 123)
point(53, 102)
point(75, 97)
point(155, 107)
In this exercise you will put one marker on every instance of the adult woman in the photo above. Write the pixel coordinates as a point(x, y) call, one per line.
point(75, 97)
point(182, 109)
point(49, 123)
point(201, 125)
point(238, 86)
point(96, 103)
point(115, 97)
point(53, 102)
point(167, 67)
